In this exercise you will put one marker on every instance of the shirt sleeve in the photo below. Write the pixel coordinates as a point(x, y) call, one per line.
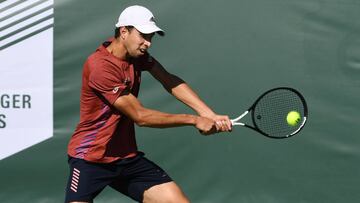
point(106, 81)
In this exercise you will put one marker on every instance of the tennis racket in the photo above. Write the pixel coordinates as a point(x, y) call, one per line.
point(269, 113)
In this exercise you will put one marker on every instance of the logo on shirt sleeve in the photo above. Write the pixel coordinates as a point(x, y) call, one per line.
point(126, 82)
point(115, 90)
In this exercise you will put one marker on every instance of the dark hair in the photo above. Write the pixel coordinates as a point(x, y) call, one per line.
point(117, 30)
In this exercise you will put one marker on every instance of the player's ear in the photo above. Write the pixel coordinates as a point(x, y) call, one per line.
point(123, 32)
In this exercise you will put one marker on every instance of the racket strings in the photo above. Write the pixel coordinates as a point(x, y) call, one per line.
point(271, 110)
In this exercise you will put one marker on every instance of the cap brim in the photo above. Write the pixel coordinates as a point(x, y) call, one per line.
point(148, 29)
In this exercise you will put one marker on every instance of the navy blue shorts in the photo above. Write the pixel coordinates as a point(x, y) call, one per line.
point(131, 177)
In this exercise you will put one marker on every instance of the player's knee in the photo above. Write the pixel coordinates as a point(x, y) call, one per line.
point(166, 193)
point(170, 199)
point(176, 198)
point(167, 198)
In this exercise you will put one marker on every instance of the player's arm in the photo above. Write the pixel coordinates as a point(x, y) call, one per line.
point(130, 106)
point(183, 92)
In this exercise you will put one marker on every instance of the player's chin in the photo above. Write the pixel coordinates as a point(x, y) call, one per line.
point(138, 54)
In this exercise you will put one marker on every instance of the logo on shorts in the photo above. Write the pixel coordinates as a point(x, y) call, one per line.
point(75, 180)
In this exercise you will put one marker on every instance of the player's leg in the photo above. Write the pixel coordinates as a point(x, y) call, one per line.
point(144, 181)
point(167, 193)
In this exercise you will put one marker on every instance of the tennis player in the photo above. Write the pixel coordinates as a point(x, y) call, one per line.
point(102, 151)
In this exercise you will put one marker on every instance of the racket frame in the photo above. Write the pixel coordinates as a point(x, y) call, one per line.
point(235, 121)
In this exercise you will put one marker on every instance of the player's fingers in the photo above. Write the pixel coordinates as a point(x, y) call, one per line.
point(222, 125)
point(229, 125)
point(218, 126)
point(226, 123)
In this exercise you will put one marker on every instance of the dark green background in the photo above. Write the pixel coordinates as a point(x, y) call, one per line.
point(229, 52)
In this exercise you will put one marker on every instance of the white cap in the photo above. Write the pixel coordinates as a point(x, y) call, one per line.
point(139, 17)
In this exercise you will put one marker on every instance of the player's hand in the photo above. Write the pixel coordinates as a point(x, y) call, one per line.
point(222, 122)
point(206, 126)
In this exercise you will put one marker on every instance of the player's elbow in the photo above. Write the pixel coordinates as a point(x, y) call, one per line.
point(140, 123)
point(141, 118)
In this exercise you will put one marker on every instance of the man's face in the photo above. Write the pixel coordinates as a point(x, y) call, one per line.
point(137, 43)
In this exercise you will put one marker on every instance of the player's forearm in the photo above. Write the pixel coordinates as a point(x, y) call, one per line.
point(185, 94)
point(157, 119)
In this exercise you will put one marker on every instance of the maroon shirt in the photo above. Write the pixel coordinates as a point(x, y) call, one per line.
point(104, 134)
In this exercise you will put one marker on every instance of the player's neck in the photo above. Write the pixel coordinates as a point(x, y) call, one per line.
point(117, 49)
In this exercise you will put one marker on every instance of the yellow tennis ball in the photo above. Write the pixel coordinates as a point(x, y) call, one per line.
point(293, 118)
